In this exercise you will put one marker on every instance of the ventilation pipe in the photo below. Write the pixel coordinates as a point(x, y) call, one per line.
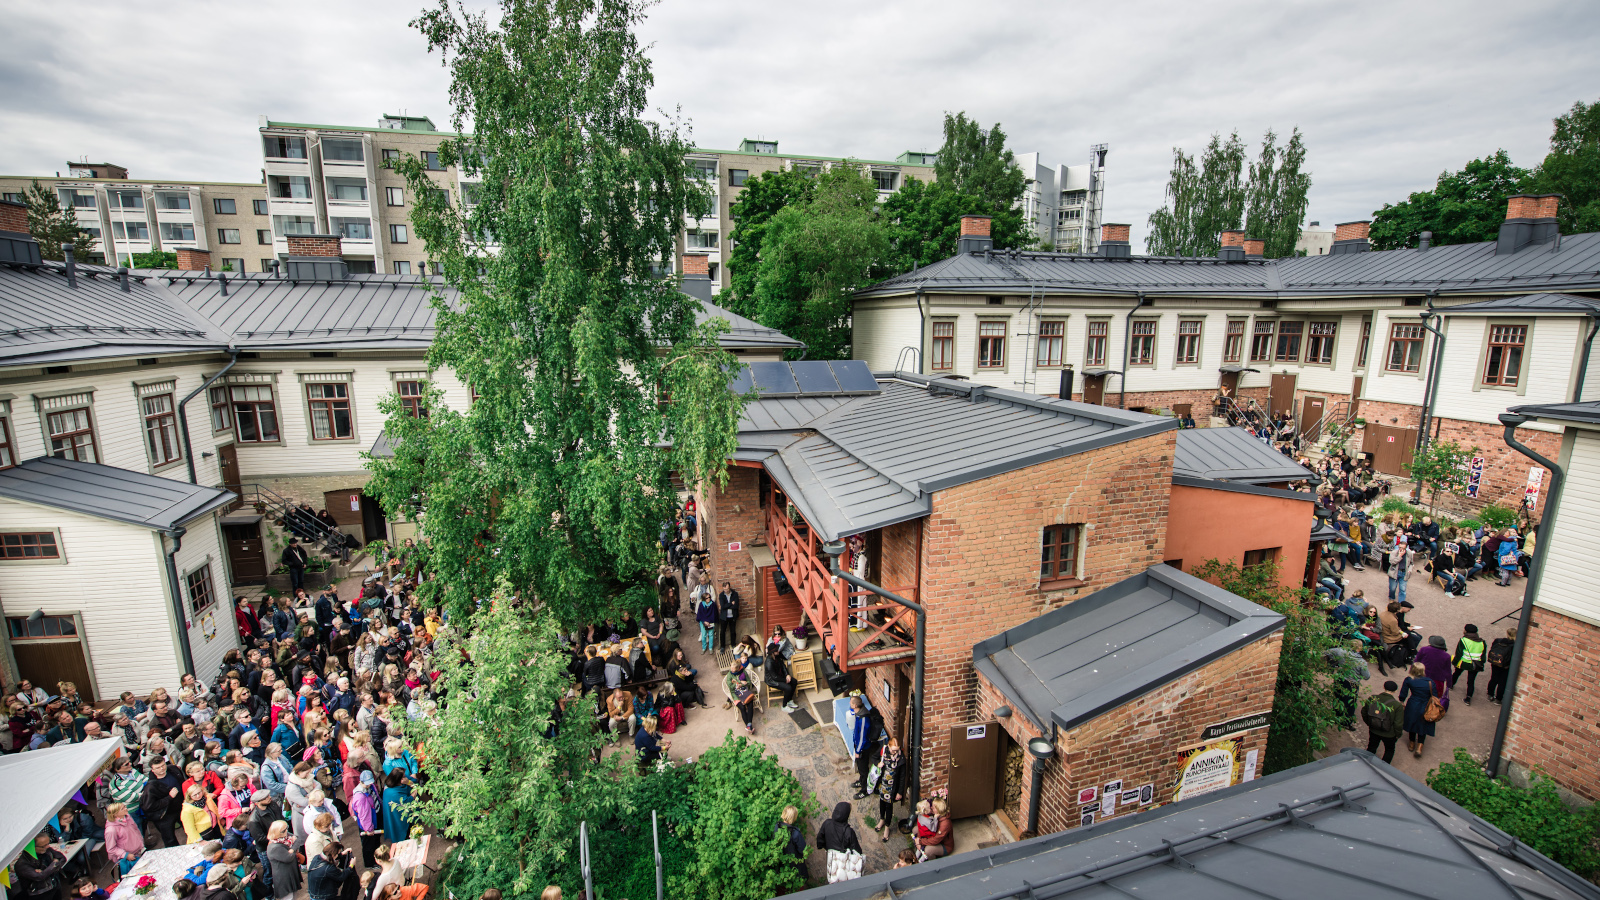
point(72, 266)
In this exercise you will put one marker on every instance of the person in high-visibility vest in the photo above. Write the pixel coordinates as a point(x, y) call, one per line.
point(1468, 658)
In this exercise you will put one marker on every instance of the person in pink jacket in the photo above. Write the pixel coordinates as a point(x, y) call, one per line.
point(124, 842)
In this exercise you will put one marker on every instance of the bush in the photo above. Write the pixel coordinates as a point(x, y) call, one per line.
point(1534, 815)
point(1496, 516)
point(1397, 505)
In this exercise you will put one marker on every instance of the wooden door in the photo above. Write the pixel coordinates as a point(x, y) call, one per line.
point(1229, 380)
point(1355, 396)
point(1182, 409)
point(974, 763)
point(47, 661)
point(247, 556)
point(1311, 412)
point(373, 525)
point(228, 463)
point(1094, 389)
point(1280, 397)
point(1390, 447)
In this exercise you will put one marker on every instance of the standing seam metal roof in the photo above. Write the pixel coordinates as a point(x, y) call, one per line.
point(107, 492)
point(1232, 454)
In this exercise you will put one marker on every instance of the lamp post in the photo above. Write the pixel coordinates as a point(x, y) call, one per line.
point(1041, 750)
point(834, 549)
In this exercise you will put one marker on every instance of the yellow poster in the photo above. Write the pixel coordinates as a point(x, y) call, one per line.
point(1209, 767)
point(208, 626)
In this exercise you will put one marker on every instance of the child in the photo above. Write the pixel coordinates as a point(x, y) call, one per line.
point(908, 857)
point(202, 713)
point(85, 889)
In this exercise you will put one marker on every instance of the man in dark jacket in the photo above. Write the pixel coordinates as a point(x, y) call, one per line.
point(41, 874)
point(330, 873)
point(867, 726)
point(295, 559)
point(162, 800)
point(324, 611)
point(1384, 717)
point(1499, 658)
point(727, 617)
point(263, 812)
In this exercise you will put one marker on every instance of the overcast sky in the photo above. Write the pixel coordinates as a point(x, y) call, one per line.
point(1388, 94)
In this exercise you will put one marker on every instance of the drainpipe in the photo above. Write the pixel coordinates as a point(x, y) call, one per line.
point(914, 735)
point(1583, 364)
point(1431, 386)
point(1127, 335)
point(183, 418)
point(184, 649)
point(1529, 593)
point(922, 335)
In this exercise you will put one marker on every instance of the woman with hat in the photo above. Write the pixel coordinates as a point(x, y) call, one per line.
point(364, 806)
point(1435, 659)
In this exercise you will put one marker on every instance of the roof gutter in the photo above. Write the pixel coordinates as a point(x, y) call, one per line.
point(176, 593)
point(1529, 593)
point(1127, 335)
point(1431, 391)
point(1583, 364)
point(183, 418)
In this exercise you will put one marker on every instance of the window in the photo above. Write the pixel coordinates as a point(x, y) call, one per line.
point(91, 230)
point(1261, 340)
point(886, 181)
point(172, 200)
point(128, 199)
point(263, 236)
point(330, 411)
point(1069, 215)
point(254, 413)
point(402, 267)
point(161, 429)
point(13, 197)
point(1267, 556)
point(704, 169)
point(395, 196)
point(701, 240)
point(29, 545)
point(1189, 341)
point(1405, 348)
point(399, 235)
point(230, 264)
point(1058, 553)
point(352, 229)
point(290, 187)
point(8, 453)
point(1094, 348)
point(227, 235)
point(285, 147)
point(1319, 346)
point(411, 398)
point(221, 413)
point(342, 150)
point(347, 189)
point(266, 264)
point(1233, 341)
point(737, 177)
point(131, 231)
point(390, 156)
point(1073, 198)
point(430, 161)
point(442, 195)
point(1504, 365)
point(1142, 345)
point(259, 207)
point(1289, 341)
point(1366, 339)
point(72, 435)
point(25, 629)
point(1052, 335)
point(177, 231)
point(295, 224)
point(991, 345)
point(471, 193)
point(944, 346)
point(201, 592)
point(78, 199)
point(224, 206)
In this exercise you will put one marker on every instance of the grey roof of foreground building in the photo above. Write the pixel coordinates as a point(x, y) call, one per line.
point(1234, 455)
point(107, 492)
point(1528, 303)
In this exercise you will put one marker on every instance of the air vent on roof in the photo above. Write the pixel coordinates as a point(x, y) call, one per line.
point(324, 354)
point(1269, 304)
point(997, 301)
point(57, 370)
point(1413, 301)
point(149, 361)
point(249, 356)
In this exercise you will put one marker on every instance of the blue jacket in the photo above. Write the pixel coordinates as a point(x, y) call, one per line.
point(864, 731)
point(705, 612)
point(1504, 548)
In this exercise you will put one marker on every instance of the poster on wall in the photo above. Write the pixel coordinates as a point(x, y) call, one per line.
point(1209, 767)
point(1535, 481)
point(1474, 475)
point(1249, 773)
point(208, 626)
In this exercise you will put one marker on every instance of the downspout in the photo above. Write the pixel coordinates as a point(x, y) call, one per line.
point(1431, 387)
point(184, 649)
point(1583, 364)
point(183, 418)
point(1529, 593)
point(1127, 335)
point(922, 336)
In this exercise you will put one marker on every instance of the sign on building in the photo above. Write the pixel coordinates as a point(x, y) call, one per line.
point(1207, 768)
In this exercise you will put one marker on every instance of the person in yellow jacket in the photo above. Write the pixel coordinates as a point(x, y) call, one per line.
point(1470, 650)
point(199, 816)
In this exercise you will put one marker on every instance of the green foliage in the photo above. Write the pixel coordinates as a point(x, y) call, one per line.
point(1498, 517)
point(976, 163)
point(52, 224)
point(1441, 466)
point(584, 364)
point(1534, 815)
point(763, 197)
point(1277, 194)
point(1394, 503)
point(817, 251)
point(1464, 207)
point(1306, 704)
point(1207, 198)
point(925, 222)
point(155, 259)
point(736, 835)
point(1572, 168)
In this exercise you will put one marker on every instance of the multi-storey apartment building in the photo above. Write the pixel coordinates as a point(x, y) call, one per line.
point(1062, 204)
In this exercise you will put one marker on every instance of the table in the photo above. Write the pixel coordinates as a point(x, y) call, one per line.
point(167, 865)
point(72, 849)
point(410, 854)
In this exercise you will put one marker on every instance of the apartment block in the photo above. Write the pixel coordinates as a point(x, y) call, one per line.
point(1063, 203)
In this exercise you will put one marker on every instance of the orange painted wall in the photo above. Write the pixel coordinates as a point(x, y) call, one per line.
point(1203, 524)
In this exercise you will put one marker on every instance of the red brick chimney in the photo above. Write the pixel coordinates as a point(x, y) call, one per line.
point(13, 217)
point(193, 259)
point(1522, 206)
point(1549, 205)
point(1233, 239)
point(1109, 232)
point(975, 226)
point(1114, 240)
point(1352, 231)
point(314, 245)
point(697, 264)
point(1254, 248)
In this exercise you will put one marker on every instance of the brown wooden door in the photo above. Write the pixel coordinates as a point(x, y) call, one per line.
point(974, 763)
point(1311, 412)
point(247, 556)
point(1229, 380)
point(1094, 389)
point(228, 462)
point(1390, 447)
point(45, 662)
point(1280, 397)
point(1355, 396)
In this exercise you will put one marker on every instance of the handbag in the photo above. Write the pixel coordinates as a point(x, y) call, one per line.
point(1435, 710)
point(844, 865)
point(1508, 560)
point(872, 778)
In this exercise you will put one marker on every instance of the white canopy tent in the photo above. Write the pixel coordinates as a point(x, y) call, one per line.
point(36, 784)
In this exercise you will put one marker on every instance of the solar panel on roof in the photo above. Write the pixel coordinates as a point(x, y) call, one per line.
point(741, 383)
point(814, 377)
point(773, 378)
point(853, 375)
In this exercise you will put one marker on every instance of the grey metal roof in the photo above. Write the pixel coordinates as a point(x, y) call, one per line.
point(1587, 411)
point(43, 321)
point(1232, 454)
point(856, 463)
point(1072, 664)
point(1528, 303)
point(107, 492)
point(1572, 263)
point(1359, 828)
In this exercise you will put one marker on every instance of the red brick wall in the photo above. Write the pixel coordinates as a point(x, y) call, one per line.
point(1233, 238)
point(1112, 232)
point(1553, 722)
point(1351, 231)
point(1522, 206)
point(1254, 247)
point(1139, 742)
point(735, 514)
point(314, 245)
point(696, 264)
point(192, 259)
point(13, 217)
point(974, 226)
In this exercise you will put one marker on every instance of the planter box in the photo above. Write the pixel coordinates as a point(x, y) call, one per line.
point(314, 581)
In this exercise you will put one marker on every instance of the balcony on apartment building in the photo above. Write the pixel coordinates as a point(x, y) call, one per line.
point(285, 155)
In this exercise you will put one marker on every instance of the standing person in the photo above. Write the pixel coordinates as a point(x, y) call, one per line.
point(795, 844)
point(891, 782)
point(389, 871)
point(705, 614)
point(1415, 692)
point(1468, 658)
point(865, 727)
point(280, 857)
point(727, 617)
point(1435, 659)
point(294, 559)
point(126, 787)
point(1499, 657)
point(1385, 719)
point(162, 800)
point(329, 872)
point(396, 794)
point(364, 807)
point(1399, 567)
point(839, 840)
point(1506, 554)
point(124, 839)
point(199, 816)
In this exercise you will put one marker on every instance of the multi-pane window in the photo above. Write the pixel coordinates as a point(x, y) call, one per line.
point(1289, 334)
point(24, 628)
point(8, 453)
point(161, 429)
point(221, 413)
point(944, 346)
point(411, 398)
point(1233, 341)
point(402, 267)
point(1058, 553)
point(201, 591)
point(1319, 344)
point(1142, 343)
point(430, 160)
point(991, 345)
point(285, 147)
point(704, 169)
point(225, 206)
point(29, 545)
point(72, 435)
point(342, 150)
point(705, 240)
point(177, 231)
point(166, 200)
point(263, 236)
point(330, 411)
point(1405, 348)
point(255, 413)
point(398, 234)
point(1366, 340)
point(737, 177)
point(885, 181)
point(1052, 335)
point(390, 156)
point(1261, 340)
point(259, 207)
point(352, 229)
point(347, 189)
point(227, 235)
point(1189, 341)
point(1504, 365)
point(395, 196)
point(1094, 347)
point(133, 231)
point(1263, 557)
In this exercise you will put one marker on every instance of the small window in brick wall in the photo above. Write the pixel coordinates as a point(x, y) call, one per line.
point(1058, 553)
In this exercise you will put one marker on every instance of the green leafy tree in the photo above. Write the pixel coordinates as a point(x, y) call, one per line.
point(1204, 199)
point(1534, 815)
point(155, 259)
point(1277, 194)
point(52, 224)
point(1464, 207)
point(1307, 702)
point(1572, 168)
point(976, 162)
point(816, 252)
point(736, 838)
point(924, 222)
point(584, 364)
point(1441, 466)
point(763, 197)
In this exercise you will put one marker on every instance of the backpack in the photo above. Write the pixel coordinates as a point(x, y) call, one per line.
point(1382, 718)
point(1500, 652)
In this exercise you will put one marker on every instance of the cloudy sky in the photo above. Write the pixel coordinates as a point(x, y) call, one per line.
point(1388, 94)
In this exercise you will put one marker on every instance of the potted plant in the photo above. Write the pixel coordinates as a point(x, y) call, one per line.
point(801, 635)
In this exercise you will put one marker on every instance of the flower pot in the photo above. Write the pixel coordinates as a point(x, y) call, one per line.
point(800, 641)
